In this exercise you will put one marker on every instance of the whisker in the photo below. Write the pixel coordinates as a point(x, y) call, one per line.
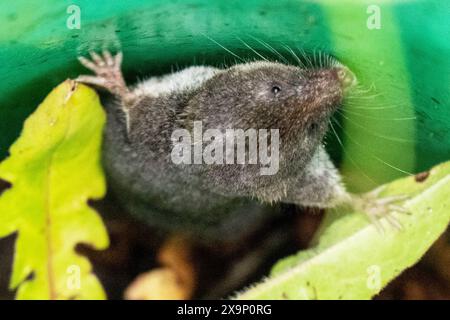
point(305, 57)
point(359, 107)
point(226, 49)
point(331, 61)
point(348, 155)
point(358, 94)
point(358, 114)
point(257, 53)
point(373, 155)
point(268, 46)
point(373, 133)
point(322, 59)
point(364, 89)
point(300, 62)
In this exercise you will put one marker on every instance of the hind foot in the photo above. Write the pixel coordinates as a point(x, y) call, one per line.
point(377, 208)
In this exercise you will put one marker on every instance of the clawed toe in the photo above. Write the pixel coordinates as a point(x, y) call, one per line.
point(97, 59)
point(107, 72)
point(96, 81)
point(379, 208)
point(88, 64)
point(398, 208)
point(104, 64)
point(109, 60)
point(377, 214)
point(393, 221)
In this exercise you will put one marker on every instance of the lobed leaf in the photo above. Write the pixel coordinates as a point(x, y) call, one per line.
point(54, 168)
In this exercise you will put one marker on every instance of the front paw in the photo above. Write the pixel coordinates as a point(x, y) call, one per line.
point(108, 74)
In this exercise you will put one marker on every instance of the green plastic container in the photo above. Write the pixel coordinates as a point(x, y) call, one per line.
point(401, 125)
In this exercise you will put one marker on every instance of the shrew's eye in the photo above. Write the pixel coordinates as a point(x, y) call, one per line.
point(313, 127)
point(276, 89)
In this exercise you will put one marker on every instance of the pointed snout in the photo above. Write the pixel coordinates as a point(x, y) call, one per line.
point(346, 78)
point(337, 78)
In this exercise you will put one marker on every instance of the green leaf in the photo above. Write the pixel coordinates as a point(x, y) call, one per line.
point(352, 260)
point(54, 168)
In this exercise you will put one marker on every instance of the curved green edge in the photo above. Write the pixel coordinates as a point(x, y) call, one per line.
point(427, 50)
point(38, 52)
point(374, 152)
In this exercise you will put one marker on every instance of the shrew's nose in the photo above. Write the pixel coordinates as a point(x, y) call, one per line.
point(346, 77)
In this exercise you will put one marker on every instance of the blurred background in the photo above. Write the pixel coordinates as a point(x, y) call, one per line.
point(397, 124)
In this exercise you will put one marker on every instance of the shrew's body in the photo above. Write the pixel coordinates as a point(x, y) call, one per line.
point(218, 200)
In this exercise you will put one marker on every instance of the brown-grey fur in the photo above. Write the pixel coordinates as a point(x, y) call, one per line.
point(222, 201)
